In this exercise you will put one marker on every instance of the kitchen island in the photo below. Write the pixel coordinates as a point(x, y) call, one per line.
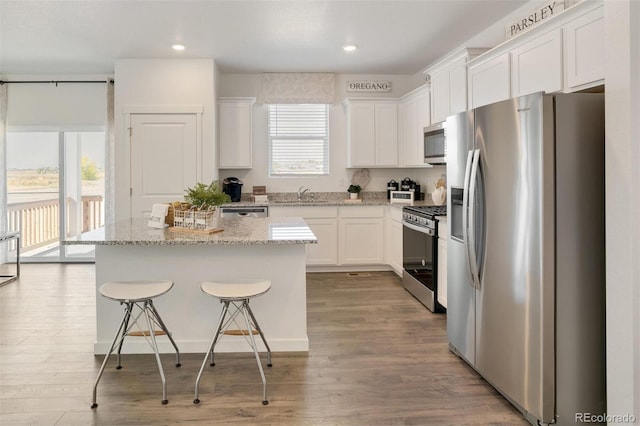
point(247, 248)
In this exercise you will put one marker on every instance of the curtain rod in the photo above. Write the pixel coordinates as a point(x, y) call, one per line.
point(111, 81)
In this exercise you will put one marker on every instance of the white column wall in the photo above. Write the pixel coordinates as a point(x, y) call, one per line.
point(622, 160)
point(162, 82)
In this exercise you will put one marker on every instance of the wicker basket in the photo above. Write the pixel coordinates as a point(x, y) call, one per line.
point(195, 219)
point(176, 205)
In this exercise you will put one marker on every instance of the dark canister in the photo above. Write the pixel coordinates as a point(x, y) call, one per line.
point(405, 184)
point(392, 185)
point(233, 187)
point(415, 187)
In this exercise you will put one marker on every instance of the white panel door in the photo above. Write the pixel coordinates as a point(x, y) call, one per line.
point(537, 65)
point(235, 140)
point(164, 159)
point(584, 49)
point(325, 251)
point(361, 241)
point(489, 81)
point(361, 135)
point(386, 134)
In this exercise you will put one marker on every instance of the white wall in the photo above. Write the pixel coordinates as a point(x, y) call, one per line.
point(339, 178)
point(622, 157)
point(162, 82)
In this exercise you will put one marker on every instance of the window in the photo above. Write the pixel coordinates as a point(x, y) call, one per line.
point(298, 139)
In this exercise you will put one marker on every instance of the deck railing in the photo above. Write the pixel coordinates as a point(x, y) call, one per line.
point(39, 221)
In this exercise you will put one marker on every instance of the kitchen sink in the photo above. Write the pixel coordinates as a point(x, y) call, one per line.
point(299, 202)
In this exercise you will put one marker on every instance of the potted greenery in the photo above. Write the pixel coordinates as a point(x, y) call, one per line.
point(354, 190)
point(204, 196)
point(200, 210)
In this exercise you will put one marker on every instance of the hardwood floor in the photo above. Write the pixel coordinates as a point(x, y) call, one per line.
point(377, 357)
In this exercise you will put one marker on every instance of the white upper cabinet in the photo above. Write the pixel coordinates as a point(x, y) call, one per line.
point(563, 54)
point(449, 84)
point(235, 134)
point(584, 50)
point(536, 66)
point(415, 117)
point(372, 128)
point(489, 81)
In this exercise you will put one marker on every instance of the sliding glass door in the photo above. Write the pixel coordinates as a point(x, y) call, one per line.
point(55, 190)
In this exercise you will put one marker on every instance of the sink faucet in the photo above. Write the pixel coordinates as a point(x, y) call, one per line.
point(301, 192)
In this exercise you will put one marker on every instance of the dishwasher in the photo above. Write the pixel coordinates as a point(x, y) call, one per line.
point(244, 211)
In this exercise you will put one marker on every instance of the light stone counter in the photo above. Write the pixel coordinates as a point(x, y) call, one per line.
point(247, 249)
point(236, 231)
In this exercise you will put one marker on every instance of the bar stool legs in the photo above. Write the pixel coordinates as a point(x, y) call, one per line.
point(241, 307)
point(152, 319)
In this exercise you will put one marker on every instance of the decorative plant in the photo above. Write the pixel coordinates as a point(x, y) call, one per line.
point(204, 196)
point(354, 189)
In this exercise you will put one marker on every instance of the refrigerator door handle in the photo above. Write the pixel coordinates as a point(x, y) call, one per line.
point(465, 217)
point(471, 248)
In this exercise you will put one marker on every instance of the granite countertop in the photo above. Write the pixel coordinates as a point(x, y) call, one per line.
point(319, 199)
point(236, 231)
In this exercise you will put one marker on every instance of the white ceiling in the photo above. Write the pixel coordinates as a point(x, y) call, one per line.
point(394, 36)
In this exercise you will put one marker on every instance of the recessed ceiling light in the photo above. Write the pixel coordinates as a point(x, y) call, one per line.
point(178, 47)
point(349, 47)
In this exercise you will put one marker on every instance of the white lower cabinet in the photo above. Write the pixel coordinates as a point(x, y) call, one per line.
point(323, 221)
point(394, 238)
point(442, 263)
point(361, 235)
point(359, 241)
point(350, 235)
point(323, 253)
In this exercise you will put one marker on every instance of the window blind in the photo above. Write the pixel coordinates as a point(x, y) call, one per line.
point(299, 139)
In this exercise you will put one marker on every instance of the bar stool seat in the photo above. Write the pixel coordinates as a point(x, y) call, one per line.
point(137, 298)
point(237, 294)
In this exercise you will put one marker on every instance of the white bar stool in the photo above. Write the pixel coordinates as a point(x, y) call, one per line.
point(237, 294)
point(137, 294)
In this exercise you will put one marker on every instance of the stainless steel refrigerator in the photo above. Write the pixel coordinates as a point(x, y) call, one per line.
point(525, 267)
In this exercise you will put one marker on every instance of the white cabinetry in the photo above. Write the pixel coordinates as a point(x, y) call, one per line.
point(235, 140)
point(564, 54)
point(394, 236)
point(324, 224)
point(361, 235)
point(415, 117)
point(489, 81)
point(372, 127)
point(584, 50)
point(536, 66)
point(449, 84)
point(442, 263)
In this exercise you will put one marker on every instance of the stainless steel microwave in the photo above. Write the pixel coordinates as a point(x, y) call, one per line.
point(435, 145)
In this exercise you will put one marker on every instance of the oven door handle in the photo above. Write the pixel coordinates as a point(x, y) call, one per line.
point(420, 229)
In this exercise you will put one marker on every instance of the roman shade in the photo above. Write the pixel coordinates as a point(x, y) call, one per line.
point(298, 88)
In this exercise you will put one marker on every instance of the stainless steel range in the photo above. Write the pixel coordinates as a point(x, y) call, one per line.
point(420, 253)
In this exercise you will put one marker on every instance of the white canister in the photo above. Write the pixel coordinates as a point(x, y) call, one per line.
point(439, 196)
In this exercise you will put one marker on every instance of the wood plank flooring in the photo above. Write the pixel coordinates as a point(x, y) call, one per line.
point(377, 357)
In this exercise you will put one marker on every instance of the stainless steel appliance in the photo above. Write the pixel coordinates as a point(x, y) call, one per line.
point(420, 253)
point(525, 275)
point(435, 147)
point(244, 211)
